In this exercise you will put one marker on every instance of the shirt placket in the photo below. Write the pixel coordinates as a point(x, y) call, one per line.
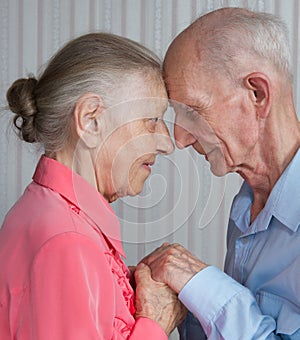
point(243, 248)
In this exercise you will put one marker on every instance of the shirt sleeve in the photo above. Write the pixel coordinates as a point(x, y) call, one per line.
point(225, 308)
point(72, 293)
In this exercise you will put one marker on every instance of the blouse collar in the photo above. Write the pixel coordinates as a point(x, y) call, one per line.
point(74, 188)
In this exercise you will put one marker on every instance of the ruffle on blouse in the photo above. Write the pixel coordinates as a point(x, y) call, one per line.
point(120, 330)
point(122, 274)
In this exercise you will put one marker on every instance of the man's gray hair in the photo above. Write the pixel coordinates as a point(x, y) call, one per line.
point(229, 34)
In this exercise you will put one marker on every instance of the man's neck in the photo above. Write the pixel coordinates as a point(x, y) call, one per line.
point(268, 163)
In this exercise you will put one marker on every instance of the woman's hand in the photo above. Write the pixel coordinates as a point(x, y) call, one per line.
point(156, 301)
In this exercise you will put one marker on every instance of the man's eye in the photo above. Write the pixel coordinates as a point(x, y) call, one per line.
point(192, 113)
point(189, 110)
point(154, 120)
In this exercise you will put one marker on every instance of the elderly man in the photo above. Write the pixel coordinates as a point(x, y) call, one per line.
point(231, 69)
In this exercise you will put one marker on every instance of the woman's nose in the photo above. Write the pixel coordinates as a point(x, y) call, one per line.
point(164, 142)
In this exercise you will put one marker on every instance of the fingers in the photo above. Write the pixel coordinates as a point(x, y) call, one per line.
point(156, 301)
point(173, 265)
point(142, 274)
point(162, 262)
point(162, 250)
point(156, 253)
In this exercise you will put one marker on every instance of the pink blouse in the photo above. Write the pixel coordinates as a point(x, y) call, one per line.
point(61, 272)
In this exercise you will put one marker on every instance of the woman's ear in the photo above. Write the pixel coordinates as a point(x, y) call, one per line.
point(86, 115)
point(260, 92)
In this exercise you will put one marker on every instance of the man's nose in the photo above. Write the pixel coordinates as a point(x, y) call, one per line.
point(183, 138)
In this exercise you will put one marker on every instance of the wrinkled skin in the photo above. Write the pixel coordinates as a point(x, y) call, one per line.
point(156, 301)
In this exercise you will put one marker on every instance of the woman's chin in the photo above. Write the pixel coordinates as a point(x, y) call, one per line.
point(137, 189)
point(112, 198)
point(133, 190)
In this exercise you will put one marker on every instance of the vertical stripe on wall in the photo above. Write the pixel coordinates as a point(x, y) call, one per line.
point(56, 24)
point(19, 150)
point(4, 36)
point(107, 15)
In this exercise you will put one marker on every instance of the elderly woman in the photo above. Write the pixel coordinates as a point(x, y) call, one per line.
point(98, 111)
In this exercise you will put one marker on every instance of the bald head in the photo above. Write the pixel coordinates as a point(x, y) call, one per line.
point(228, 77)
point(229, 39)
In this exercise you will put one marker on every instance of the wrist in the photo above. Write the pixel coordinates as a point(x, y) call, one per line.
point(178, 284)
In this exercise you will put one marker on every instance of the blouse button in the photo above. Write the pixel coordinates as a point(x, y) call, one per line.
point(75, 209)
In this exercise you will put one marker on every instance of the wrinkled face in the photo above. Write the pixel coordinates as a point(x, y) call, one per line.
point(212, 114)
point(134, 134)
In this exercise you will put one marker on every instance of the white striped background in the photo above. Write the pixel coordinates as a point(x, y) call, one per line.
point(182, 202)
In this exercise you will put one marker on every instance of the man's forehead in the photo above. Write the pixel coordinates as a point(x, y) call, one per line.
point(180, 81)
point(177, 55)
point(180, 62)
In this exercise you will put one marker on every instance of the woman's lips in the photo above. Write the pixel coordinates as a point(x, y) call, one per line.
point(147, 166)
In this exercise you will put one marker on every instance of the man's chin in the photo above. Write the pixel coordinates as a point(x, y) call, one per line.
point(217, 163)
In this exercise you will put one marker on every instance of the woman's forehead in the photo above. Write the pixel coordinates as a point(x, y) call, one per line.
point(134, 109)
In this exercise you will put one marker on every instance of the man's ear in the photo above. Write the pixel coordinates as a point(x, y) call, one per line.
point(86, 115)
point(260, 92)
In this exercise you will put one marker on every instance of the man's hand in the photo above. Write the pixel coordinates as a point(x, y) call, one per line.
point(174, 265)
point(156, 301)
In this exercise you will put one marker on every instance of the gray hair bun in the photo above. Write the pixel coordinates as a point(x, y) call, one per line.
point(21, 101)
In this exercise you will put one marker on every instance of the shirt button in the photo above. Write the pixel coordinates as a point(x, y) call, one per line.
point(244, 240)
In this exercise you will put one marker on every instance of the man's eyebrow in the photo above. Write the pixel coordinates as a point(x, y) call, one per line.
point(196, 107)
point(202, 103)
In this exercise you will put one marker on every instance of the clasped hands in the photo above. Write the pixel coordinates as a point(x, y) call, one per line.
point(159, 278)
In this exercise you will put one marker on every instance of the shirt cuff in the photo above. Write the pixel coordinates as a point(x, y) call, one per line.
point(207, 293)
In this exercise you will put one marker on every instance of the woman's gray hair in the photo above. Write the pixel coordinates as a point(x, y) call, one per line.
point(234, 32)
point(95, 62)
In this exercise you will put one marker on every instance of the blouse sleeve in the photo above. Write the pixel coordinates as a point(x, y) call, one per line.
point(147, 329)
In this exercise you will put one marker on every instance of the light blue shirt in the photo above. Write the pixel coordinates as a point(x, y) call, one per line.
point(260, 296)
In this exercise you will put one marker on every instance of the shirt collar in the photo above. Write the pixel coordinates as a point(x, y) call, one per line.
point(240, 210)
point(284, 197)
point(57, 177)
